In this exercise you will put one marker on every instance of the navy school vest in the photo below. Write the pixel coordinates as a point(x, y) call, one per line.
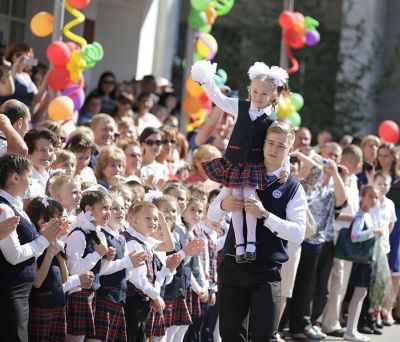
point(247, 140)
point(90, 248)
point(51, 294)
point(270, 249)
point(113, 286)
point(24, 271)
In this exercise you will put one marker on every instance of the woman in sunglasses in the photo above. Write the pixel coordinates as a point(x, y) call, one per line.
point(152, 172)
point(169, 156)
point(106, 88)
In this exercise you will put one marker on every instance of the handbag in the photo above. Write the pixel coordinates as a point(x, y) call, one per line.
point(360, 252)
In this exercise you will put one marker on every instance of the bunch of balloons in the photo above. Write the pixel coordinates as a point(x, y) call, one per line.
point(201, 18)
point(298, 31)
point(68, 59)
point(288, 107)
point(389, 131)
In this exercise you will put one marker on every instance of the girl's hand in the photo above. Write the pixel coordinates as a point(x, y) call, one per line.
point(138, 259)
point(52, 230)
point(204, 296)
point(173, 261)
point(101, 249)
point(8, 226)
point(161, 219)
point(111, 251)
point(53, 249)
point(193, 247)
point(86, 279)
point(283, 177)
point(213, 299)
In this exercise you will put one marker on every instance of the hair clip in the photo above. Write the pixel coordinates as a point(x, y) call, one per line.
point(45, 202)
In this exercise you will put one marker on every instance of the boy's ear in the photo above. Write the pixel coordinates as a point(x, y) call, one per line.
point(14, 178)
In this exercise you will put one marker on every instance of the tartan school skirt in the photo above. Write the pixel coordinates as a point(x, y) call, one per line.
point(47, 324)
point(236, 175)
point(177, 312)
point(81, 308)
point(109, 321)
point(155, 325)
point(193, 303)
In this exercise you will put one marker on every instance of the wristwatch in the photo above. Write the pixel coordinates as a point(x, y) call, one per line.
point(264, 216)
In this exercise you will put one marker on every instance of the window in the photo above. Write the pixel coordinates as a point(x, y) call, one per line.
point(12, 21)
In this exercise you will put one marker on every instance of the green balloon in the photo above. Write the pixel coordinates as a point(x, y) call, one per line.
point(220, 78)
point(92, 53)
point(199, 5)
point(197, 57)
point(222, 7)
point(297, 101)
point(197, 19)
point(294, 118)
point(205, 29)
point(311, 23)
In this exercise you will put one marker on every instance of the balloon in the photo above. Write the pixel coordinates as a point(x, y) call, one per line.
point(389, 131)
point(199, 5)
point(193, 88)
point(199, 115)
point(79, 4)
point(294, 118)
point(286, 20)
point(61, 108)
point(75, 65)
point(299, 18)
point(205, 101)
point(191, 104)
point(76, 94)
point(197, 19)
point(190, 127)
point(222, 7)
point(42, 24)
point(92, 53)
point(206, 46)
point(293, 39)
point(197, 57)
point(72, 46)
point(311, 23)
point(79, 19)
point(312, 38)
point(58, 78)
point(220, 77)
point(205, 28)
point(297, 101)
point(211, 15)
point(58, 53)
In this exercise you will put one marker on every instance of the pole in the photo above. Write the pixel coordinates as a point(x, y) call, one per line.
point(288, 5)
point(58, 14)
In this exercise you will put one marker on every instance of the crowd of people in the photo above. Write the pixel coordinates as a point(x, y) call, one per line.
point(116, 230)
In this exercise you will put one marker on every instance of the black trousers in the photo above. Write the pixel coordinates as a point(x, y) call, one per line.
point(14, 312)
point(137, 311)
point(210, 321)
point(253, 289)
point(194, 332)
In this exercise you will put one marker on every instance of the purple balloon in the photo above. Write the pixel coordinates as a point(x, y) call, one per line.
point(77, 98)
point(312, 37)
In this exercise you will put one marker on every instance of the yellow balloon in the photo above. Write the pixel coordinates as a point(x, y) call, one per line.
point(206, 45)
point(199, 115)
point(75, 65)
point(42, 24)
point(61, 108)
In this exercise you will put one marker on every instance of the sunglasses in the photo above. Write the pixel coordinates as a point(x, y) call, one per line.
point(108, 82)
point(150, 142)
point(166, 142)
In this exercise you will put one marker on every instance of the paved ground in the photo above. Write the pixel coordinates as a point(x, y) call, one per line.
point(390, 334)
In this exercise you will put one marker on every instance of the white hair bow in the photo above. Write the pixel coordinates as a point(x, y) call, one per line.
point(45, 202)
point(278, 75)
point(258, 68)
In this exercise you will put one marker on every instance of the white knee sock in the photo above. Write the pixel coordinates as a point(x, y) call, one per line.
point(251, 221)
point(355, 310)
point(74, 338)
point(171, 333)
point(237, 222)
point(180, 334)
point(158, 338)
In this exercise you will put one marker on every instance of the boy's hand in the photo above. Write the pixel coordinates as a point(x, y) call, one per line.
point(193, 247)
point(138, 258)
point(173, 261)
point(111, 253)
point(86, 279)
point(159, 304)
point(53, 249)
point(283, 177)
point(101, 249)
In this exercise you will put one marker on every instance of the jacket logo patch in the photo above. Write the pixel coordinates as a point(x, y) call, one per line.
point(276, 194)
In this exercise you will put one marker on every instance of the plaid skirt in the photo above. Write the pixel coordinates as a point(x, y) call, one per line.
point(109, 321)
point(176, 312)
point(155, 325)
point(81, 308)
point(47, 324)
point(193, 303)
point(236, 175)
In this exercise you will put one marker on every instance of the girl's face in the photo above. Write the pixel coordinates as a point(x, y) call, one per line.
point(262, 93)
point(134, 157)
point(200, 196)
point(101, 212)
point(118, 213)
point(369, 200)
point(23, 183)
point(114, 168)
point(385, 158)
point(152, 144)
point(370, 151)
point(170, 211)
point(69, 166)
point(82, 159)
point(168, 145)
point(70, 196)
point(383, 185)
point(193, 213)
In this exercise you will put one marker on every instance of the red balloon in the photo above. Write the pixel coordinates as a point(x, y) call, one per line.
point(79, 4)
point(389, 131)
point(205, 101)
point(72, 46)
point(58, 78)
point(294, 39)
point(58, 53)
point(286, 19)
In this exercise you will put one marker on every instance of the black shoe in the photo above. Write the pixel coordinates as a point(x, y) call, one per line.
point(337, 333)
point(364, 329)
point(250, 256)
point(240, 259)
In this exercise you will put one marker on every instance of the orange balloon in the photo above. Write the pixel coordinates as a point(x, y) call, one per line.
point(61, 108)
point(211, 15)
point(193, 88)
point(191, 104)
point(42, 24)
point(199, 115)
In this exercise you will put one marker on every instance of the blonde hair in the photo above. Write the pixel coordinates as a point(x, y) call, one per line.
point(370, 138)
point(280, 128)
point(56, 182)
point(137, 208)
point(100, 118)
point(53, 126)
point(63, 156)
point(109, 155)
point(205, 151)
